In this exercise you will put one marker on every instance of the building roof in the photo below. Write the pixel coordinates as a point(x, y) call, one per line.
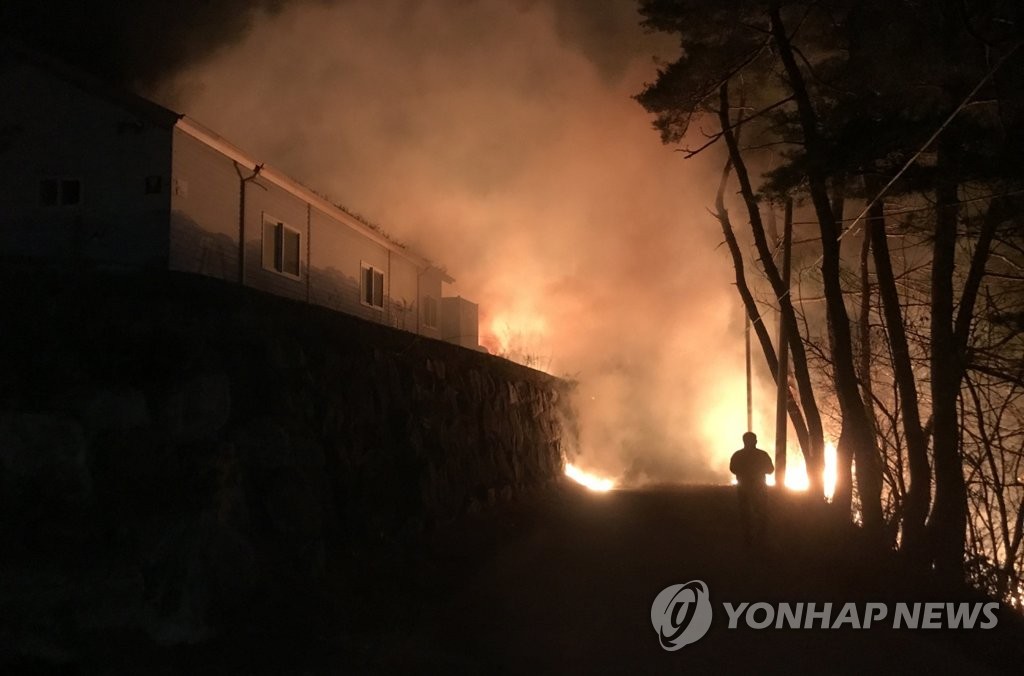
point(144, 108)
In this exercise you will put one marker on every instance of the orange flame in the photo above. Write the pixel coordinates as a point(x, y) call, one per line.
point(591, 481)
point(521, 336)
point(796, 474)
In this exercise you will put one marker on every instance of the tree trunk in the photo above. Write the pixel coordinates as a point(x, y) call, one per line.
point(814, 451)
point(750, 305)
point(1001, 209)
point(864, 329)
point(855, 430)
point(842, 497)
point(948, 523)
point(918, 497)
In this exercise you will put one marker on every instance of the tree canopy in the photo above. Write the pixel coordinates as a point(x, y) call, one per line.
point(913, 114)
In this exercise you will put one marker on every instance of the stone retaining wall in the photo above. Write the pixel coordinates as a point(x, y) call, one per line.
point(172, 446)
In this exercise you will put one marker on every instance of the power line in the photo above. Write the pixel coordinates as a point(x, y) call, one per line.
point(913, 158)
point(900, 212)
point(931, 140)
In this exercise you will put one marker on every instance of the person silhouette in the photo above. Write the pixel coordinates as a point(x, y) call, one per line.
point(751, 465)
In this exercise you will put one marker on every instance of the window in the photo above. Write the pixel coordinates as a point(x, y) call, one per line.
point(154, 184)
point(64, 192)
point(372, 287)
point(282, 251)
point(430, 311)
point(49, 192)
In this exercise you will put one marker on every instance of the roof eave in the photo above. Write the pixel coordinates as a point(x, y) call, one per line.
point(225, 147)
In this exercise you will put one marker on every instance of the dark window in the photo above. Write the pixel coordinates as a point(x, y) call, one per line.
point(290, 256)
point(49, 192)
point(373, 287)
point(154, 185)
point(269, 245)
point(64, 192)
point(368, 286)
point(282, 248)
point(378, 288)
point(430, 311)
point(70, 192)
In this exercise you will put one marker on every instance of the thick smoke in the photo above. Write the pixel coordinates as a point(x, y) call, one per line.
point(499, 139)
point(132, 42)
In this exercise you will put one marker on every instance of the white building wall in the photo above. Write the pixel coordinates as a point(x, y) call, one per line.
point(51, 128)
point(204, 210)
point(460, 322)
point(403, 310)
point(334, 247)
point(337, 255)
point(429, 290)
point(266, 199)
point(157, 191)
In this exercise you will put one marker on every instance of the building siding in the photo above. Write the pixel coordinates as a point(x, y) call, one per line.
point(53, 129)
point(430, 287)
point(403, 310)
point(265, 198)
point(205, 205)
point(337, 255)
point(204, 210)
point(460, 322)
point(160, 191)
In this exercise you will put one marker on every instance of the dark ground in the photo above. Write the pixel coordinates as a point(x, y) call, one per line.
point(562, 582)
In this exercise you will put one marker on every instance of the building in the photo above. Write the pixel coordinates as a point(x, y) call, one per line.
point(90, 173)
point(460, 322)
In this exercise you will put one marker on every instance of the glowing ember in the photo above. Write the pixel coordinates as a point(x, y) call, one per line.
point(796, 472)
point(830, 469)
point(797, 481)
point(591, 481)
point(516, 333)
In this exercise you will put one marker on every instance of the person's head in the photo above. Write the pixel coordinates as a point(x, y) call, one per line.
point(749, 440)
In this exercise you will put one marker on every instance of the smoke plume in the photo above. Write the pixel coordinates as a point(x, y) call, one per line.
point(499, 138)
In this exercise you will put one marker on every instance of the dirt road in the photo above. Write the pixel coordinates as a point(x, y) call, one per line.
point(565, 585)
point(562, 582)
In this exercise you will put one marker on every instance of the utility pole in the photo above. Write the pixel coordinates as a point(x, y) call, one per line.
point(750, 389)
point(782, 375)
